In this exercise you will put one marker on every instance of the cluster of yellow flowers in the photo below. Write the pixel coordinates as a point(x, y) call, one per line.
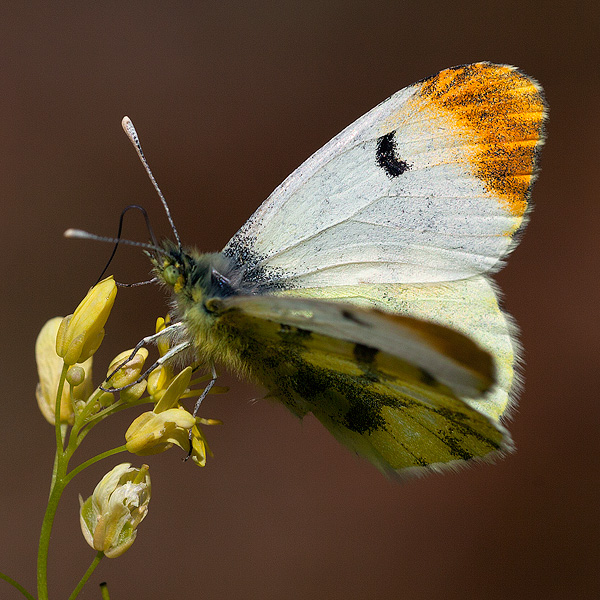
point(64, 354)
point(169, 423)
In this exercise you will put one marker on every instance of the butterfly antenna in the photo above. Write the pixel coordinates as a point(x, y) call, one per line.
point(86, 235)
point(129, 129)
point(118, 238)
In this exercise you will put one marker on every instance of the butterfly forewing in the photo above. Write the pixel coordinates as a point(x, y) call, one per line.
point(429, 186)
point(451, 358)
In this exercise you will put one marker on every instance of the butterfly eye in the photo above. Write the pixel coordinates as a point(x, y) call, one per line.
point(171, 274)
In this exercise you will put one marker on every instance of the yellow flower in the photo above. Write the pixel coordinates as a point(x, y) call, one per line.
point(110, 516)
point(127, 374)
point(168, 424)
point(81, 333)
point(152, 433)
point(49, 366)
point(161, 377)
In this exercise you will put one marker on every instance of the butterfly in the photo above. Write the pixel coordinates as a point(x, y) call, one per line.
point(359, 290)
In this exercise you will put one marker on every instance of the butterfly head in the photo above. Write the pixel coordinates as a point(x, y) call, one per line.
point(193, 276)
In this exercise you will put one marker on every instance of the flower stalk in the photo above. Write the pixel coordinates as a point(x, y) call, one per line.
point(64, 354)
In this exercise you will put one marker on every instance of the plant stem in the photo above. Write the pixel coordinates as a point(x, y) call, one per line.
point(57, 407)
point(17, 585)
point(57, 487)
point(86, 575)
point(42, 564)
point(93, 460)
point(104, 591)
point(111, 410)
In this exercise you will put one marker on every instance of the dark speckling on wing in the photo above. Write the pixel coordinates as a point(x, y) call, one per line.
point(393, 413)
point(240, 251)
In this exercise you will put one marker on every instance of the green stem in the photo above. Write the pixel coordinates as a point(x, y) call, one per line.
point(55, 494)
point(86, 575)
point(57, 487)
point(91, 461)
point(104, 591)
point(83, 417)
point(57, 406)
point(115, 408)
point(16, 585)
point(83, 426)
point(54, 470)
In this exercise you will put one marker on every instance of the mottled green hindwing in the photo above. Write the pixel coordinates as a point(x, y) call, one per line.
point(392, 412)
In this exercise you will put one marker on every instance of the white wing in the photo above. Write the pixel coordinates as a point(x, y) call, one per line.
point(429, 186)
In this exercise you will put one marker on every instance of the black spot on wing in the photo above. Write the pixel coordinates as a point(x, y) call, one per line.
point(293, 334)
point(364, 354)
point(387, 158)
point(365, 357)
point(427, 378)
point(364, 415)
point(309, 382)
point(350, 316)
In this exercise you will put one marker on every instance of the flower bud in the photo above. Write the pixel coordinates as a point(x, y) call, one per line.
point(161, 377)
point(49, 366)
point(168, 424)
point(127, 374)
point(157, 382)
point(75, 375)
point(163, 342)
point(110, 516)
point(105, 399)
point(152, 433)
point(133, 393)
point(81, 333)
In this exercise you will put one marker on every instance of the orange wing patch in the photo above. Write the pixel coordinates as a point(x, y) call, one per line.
point(452, 344)
point(501, 112)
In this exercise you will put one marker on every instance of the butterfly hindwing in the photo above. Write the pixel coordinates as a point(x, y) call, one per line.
point(468, 305)
point(374, 385)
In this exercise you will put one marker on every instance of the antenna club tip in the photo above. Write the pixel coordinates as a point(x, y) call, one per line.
point(128, 128)
point(78, 234)
point(131, 133)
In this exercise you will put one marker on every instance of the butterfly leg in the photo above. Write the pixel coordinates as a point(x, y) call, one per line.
point(199, 402)
point(161, 361)
point(143, 342)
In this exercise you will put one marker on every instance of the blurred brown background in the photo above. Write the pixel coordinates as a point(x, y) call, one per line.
point(229, 97)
